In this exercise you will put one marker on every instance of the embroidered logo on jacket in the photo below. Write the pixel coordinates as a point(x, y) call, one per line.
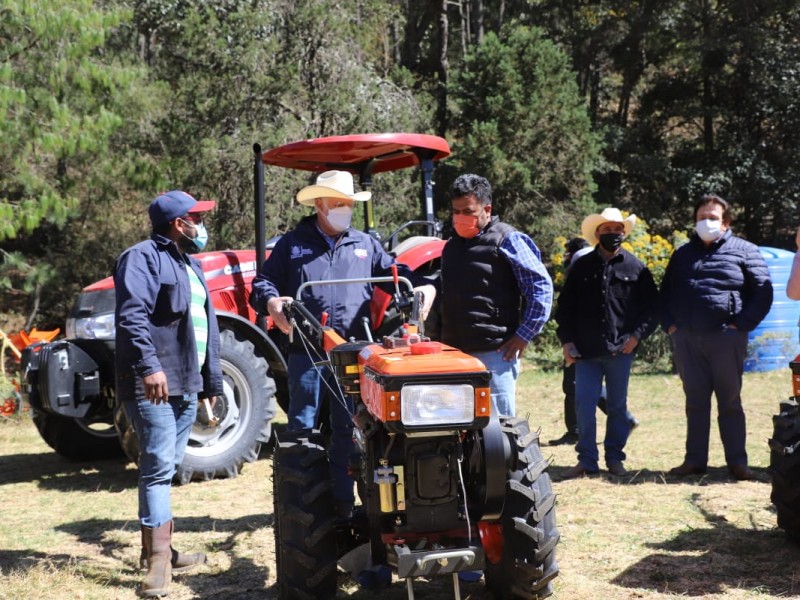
point(360, 253)
point(299, 252)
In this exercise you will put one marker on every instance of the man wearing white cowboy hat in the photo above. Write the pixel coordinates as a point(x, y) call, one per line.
point(323, 246)
point(608, 305)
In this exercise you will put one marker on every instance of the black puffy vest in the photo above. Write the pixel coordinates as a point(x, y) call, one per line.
point(480, 296)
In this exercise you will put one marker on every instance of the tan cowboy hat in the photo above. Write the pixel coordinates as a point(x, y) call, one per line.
point(609, 215)
point(331, 184)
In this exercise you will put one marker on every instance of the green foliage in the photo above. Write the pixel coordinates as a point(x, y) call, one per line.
point(71, 111)
point(270, 72)
point(521, 122)
point(59, 106)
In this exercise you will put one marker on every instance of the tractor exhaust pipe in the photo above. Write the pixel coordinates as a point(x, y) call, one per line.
point(261, 218)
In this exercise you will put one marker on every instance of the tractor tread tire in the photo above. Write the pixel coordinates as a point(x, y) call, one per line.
point(241, 354)
point(784, 468)
point(305, 519)
point(528, 565)
point(66, 436)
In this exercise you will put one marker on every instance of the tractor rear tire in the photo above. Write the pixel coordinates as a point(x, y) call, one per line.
point(784, 468)
point(305, 517)
point(528, 565)
point(245, 412)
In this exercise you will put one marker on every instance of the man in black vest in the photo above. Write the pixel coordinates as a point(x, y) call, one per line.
point(496, 293)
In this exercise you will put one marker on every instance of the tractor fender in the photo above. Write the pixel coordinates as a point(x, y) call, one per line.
point(265, 345)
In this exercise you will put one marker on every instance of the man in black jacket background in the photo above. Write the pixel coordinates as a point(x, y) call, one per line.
point(716, 289)
point(609, 304)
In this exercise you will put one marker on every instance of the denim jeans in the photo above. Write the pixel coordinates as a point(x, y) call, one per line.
point(589, 374)
point(163, 431)
point(504, 381)
point(306, 394)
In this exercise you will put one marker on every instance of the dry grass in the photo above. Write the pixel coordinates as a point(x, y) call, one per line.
point(68, 530)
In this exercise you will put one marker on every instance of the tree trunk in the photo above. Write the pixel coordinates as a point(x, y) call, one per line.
point(708, 95)
point(478, 21)
point(441, 112)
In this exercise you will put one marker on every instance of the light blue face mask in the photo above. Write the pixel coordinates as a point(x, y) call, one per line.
point(201, 239)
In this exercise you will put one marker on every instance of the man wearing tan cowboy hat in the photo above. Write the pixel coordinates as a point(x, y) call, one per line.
point(608, 305)
point(323, 246)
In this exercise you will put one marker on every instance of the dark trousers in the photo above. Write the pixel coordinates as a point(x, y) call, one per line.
point(712, 362)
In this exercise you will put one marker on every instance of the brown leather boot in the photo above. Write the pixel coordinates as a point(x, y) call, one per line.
point(181, 561)
point(159, 564)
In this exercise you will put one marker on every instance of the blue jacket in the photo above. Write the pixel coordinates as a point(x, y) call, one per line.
point(153, 323)
point(303, 254)
point(707, 288)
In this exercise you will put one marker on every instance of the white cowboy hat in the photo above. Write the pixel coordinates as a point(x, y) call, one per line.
point(609, 215)
point(331, 184)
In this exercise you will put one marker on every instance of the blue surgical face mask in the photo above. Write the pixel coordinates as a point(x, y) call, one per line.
point(200, 240)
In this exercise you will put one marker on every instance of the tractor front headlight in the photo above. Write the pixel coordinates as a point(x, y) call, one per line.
point(437, 404)
point(96, 327)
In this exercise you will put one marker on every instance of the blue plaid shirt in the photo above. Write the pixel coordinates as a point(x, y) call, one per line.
point(533, 280)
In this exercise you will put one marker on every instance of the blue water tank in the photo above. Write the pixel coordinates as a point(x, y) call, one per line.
point(774, 343)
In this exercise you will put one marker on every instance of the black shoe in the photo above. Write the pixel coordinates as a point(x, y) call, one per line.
point(567, 438)
point(685, 468)
point(615, 467)
point(634, 422)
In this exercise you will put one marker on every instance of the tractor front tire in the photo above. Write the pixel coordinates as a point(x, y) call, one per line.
point(78, 439)
point(784, 468)
point(305, 518)
point(527, 566)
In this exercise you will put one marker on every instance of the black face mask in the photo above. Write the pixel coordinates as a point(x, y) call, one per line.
point(611, 241)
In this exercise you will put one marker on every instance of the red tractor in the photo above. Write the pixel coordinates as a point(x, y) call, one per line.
point(69, 383)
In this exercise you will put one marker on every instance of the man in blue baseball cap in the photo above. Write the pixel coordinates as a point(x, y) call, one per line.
point(167, 356)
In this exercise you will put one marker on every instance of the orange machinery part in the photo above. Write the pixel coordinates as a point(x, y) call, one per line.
point(430, 358)
point(23, 339)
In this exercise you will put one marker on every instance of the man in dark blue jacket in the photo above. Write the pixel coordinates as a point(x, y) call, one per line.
point(716, 289)
point(323, 247)
point(167, 355)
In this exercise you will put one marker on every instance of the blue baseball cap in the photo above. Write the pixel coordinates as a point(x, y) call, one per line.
point(172, 205)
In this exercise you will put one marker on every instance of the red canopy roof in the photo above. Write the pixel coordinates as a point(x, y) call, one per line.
point(359, 154)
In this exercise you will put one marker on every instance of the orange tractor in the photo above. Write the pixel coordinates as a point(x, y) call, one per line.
point(445, 485)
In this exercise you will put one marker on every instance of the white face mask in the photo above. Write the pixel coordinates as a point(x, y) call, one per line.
point(339, 218)
point(709, 230)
